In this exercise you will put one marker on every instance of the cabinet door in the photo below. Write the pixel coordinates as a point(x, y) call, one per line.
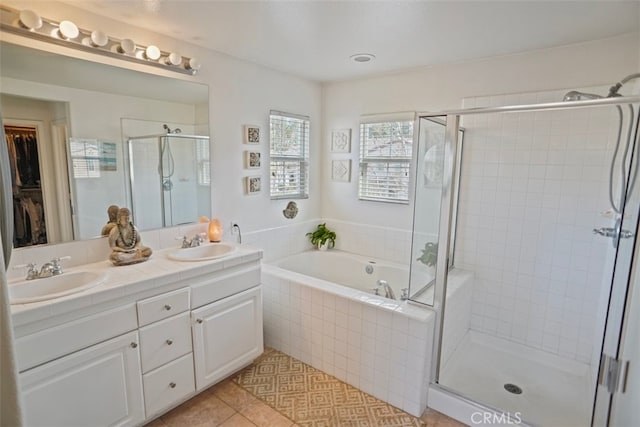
point(227, 335)
point(98, 386)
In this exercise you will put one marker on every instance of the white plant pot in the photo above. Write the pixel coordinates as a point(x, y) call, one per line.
point(323, 247)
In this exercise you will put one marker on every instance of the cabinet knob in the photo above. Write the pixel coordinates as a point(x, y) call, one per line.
point(169, 341)
point(199, 320)
point(172, 385)
point(167, 307)
point(134, 344)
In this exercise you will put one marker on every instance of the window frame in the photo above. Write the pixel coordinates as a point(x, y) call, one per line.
point(386, 161)
point(302, 160)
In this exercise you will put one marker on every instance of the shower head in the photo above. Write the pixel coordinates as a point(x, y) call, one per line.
point(168, 129)
point(574, 95)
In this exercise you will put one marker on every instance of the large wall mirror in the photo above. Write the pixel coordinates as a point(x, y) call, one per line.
point(83, 136)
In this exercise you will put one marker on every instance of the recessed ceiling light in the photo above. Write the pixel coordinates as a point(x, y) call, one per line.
point(362, 57)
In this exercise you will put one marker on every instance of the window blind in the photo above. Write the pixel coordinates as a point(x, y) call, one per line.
point(202, 158)
point(385, 160)
point(85, 158)
point(289, 155)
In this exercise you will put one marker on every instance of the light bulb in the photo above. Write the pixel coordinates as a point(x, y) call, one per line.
point(30, 20)
point(99, 39)
point(127, 46)
point(194, 64)
point(152, 53)
point(173, 59)
point(68, 30)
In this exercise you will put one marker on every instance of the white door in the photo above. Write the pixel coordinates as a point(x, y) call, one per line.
point(227, 335)
point(98, 386)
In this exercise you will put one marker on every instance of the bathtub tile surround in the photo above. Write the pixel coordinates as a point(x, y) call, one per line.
point(392, 244)
point(368, 342)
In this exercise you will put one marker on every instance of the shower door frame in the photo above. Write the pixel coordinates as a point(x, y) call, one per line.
point(130, 177)
point(451, 146)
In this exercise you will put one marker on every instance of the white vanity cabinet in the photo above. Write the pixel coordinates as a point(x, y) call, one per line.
point(165, 350)
point(98, 386)
point(125, 360)
point(227, 335)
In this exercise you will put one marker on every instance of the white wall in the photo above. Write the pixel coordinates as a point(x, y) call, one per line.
point(443, 87)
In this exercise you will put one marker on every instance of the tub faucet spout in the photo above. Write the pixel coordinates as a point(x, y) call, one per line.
point(388, 292)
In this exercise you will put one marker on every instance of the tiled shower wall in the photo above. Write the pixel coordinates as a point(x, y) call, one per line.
point(533, 187)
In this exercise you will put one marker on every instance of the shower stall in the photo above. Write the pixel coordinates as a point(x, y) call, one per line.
point(169, 178)
point(541, 205)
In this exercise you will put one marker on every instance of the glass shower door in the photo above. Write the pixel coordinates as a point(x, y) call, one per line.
point(528, 333)
point(613, 369)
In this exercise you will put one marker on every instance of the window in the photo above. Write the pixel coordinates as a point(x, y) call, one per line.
point(385, 160)
point(85, 158)
point(202, 159)
point(289, 155)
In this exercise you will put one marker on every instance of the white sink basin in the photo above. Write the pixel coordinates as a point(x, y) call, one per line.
point(202, 253)
point(26, 291)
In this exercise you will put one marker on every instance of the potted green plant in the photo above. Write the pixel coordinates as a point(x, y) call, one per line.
point(322, 237)
point(429, 255)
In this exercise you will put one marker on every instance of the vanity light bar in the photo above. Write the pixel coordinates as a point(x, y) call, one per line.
point(29, 24)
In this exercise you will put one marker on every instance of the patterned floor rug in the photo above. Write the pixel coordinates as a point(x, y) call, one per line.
point(312, 398)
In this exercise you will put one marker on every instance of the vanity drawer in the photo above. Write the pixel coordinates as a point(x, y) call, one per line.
point(162, 306)
point(164, 341)
point(168, 385)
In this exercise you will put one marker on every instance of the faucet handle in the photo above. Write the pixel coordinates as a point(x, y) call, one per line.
point(55, 264)
point(185, 242)
point(32, 271)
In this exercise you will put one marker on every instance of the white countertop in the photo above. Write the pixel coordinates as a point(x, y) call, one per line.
point(122, 281)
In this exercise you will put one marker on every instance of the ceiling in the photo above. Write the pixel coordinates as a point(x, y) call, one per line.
point(314, 39)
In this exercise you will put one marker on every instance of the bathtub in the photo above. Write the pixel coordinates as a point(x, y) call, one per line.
point(346, 269)
point(319, 308)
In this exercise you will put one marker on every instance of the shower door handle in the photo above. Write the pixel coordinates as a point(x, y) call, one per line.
point(613, 232)
point(605, 231)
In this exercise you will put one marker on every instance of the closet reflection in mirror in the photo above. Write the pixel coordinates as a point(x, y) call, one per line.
point(85, 114)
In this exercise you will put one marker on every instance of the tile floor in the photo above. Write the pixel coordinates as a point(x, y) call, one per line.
point(228, 405)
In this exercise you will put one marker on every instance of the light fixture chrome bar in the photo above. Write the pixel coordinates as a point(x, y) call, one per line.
point(28, 24)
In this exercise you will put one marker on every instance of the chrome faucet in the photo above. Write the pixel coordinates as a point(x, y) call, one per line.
point(51, 268)
point(388, 292)
point(196, 241)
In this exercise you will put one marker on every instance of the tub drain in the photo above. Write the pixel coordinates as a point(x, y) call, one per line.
point(512, 388)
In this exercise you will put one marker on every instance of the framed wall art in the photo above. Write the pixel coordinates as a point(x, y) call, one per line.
point(252, 184)
point(341, 141)
point(252, 159)
point(341, 170)
point(251, 134)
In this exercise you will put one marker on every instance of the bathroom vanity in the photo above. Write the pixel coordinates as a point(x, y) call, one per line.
point(150, 337)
